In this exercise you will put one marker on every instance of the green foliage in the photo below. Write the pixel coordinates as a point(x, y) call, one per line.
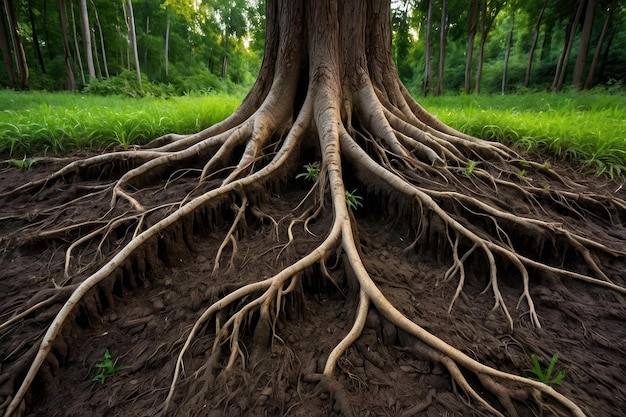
point(545, 376)
point(469, 170)
point(25, 163)
point(38, 122)
point(106, 367)
point(353, 200)
point(311, 173)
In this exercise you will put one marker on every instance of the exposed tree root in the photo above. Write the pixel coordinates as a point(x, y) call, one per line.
point(468, 194)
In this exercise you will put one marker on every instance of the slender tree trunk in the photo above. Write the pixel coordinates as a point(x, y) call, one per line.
point(507, 54)
point(167, 47)
point(71, 81)
point(546, 44)
point(596, 55)
point(561, 69)
point(145, 52)
point(607, 48)
point(6, 51)
point(132, 38)
point(18, 47)
point(76, 48)
point(583, 46)
point(428, 70)
point(533, 46)
point(36, 45)
point(105, 64)
point(471, 36)
point(443, 36)
point(84, 18)
point(96, 58)
point(481, 47)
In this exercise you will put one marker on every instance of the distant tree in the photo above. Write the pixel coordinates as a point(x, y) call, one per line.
point(533, 46)
point(67, 54)
point(472, 24)
point(84, 18)
point(6, 50)
point(561, 67)
point(18, 47)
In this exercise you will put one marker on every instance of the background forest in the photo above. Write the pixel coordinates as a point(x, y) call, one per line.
point(174, 47)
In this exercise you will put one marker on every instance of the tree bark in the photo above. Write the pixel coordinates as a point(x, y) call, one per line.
point(71, 81)
point(76, 48)
point(471, 36)
point(507, 54)
point(583, 46)
point(6, 50)
point(132, 38)
point(18, 47)
point(481, 46)
point(596, 56)
point(84, 18)
point(561, 68)
point(428, 69)
point(36, 45)
point(443, 36)
point(533, 46)
point(167, 46)
point(105, 63)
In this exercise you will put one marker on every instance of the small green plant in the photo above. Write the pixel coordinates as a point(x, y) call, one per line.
point(353, 201)
point(107, 367)
point(522, 173)
point(25, 163)
point(312, 171)
point(545, 376)
point(470, 168)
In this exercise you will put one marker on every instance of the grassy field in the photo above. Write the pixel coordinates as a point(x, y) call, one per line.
point(586, 127)
point(43, 123)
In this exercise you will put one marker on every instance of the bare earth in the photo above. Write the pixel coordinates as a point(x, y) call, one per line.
point(143, 314)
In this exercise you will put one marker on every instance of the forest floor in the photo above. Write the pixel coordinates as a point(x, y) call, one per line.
point(144, 321)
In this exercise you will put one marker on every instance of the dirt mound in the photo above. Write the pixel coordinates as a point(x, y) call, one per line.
point(143, 313)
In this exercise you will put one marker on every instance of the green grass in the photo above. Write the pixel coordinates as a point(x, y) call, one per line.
point(43, 123)
point(588, 128)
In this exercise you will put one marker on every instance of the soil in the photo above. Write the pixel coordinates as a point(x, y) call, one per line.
point(143, 314)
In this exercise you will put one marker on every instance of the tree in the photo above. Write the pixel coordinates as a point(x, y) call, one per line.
point(443, 35)
point(6, 51)
point(531, 54)
point(472, 23)
point(16, 40)
point(561, 68)
point(67, 53)
point(596, 55)
point(132, 37)
point(84, 18)
point(328, 92)
point(488, 12)
point(583, 46)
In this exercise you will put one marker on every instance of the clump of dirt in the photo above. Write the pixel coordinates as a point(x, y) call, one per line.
point(143, 313)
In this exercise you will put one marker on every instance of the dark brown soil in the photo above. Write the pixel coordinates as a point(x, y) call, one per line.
point(143, 315)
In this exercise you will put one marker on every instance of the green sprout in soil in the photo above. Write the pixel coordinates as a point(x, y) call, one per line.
point(25, 163)
point(470, 168)
point(107, 367)
point(545, 376)
point(353, 201)
point(311, 173)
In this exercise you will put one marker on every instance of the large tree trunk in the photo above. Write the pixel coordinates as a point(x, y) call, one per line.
point(533, 45)
point(71, 81)
point(472, 24)
point(84, 18)
point(327, 95)
point(583, 46)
